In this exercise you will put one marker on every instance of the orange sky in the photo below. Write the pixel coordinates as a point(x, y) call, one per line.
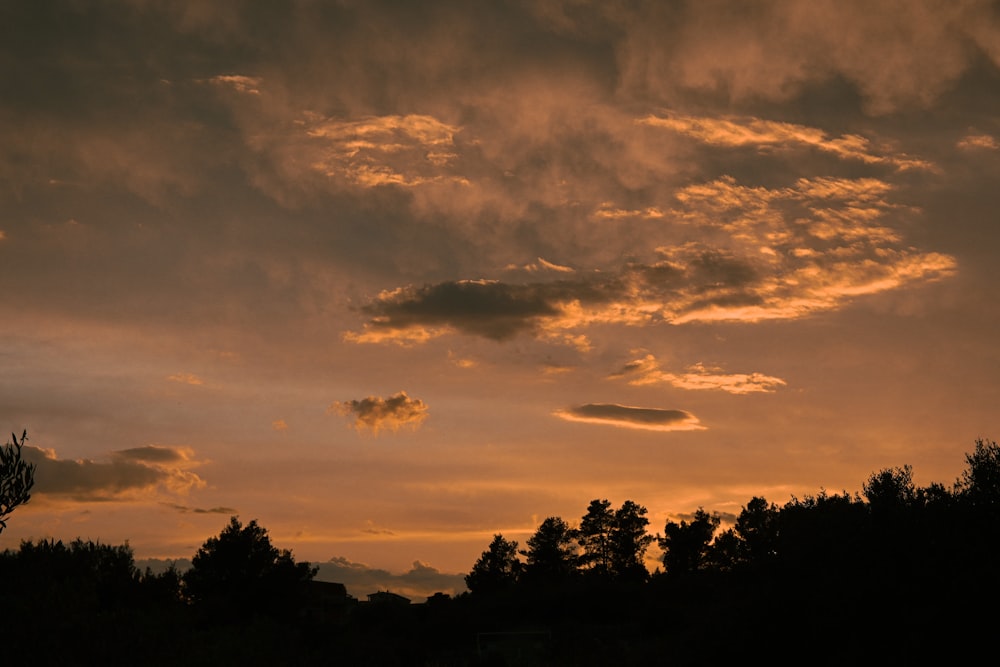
point(392, 280)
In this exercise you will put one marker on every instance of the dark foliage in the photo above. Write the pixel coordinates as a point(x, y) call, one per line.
point(900, 576)
point(240, 573)
point(498, 569)
point(16, 478)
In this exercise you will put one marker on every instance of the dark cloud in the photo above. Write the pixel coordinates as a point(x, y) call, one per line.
point(419, 582)
point(377, 413)
point(487, 308)
point(184, 509)
point(151, 454)
point(129, 473)
point(613, 414)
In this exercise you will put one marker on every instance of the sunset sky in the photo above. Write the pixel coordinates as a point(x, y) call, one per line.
point(391, 278)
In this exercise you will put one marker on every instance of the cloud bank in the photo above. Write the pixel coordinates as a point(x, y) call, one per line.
point(418, 583)
point(130, 474)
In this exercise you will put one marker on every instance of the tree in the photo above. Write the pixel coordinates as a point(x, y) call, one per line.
point(242, 571)
point(594, 536)
point(497, 569)
point(826, 530)
point(757, 529)
point(685, 545)
point(890, 490)
point(980, 481)
point(16, 478)
point(552, 552)
point(628, 542)
point(726, 552)
point(81, 577)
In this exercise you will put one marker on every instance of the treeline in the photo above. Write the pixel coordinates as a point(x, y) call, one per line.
point(892, 524)
point(898, 573)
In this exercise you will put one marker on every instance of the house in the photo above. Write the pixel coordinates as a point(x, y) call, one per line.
point(385, 597)
point(327, 601)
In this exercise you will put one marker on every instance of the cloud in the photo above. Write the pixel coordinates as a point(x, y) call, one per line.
point(541, 265)
point(392, 150)
point(418, 583)
point(897, 55)
point(129, 474)
point(968, 142)
point(377, 413)
point(486, 308)
point(186, 378)
point(184, 509)
point(764, 135)
point(646, 371)
point(154, 454)
point(238, 82)
point(778, 267)
point(612, 414)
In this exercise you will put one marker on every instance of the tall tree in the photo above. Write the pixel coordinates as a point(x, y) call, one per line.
point(552, 552)
point(499, 568)
point(685, 545)
point(242, 571)
point(628, 541)
point(594, 536)
point(16, 478)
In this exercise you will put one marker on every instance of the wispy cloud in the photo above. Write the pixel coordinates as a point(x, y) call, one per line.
point(766, 135)
point(624, 416)
point(186, 378)
point(403, 151)
point(184, 509)
point(375, 413)
point(647, 371)
point(249, 85)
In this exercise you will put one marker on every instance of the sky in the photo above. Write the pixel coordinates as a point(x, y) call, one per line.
point(391, 278)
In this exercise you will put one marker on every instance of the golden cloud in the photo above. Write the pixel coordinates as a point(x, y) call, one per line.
point(376, 413)
point(405, 151)
point(624, 416)
point(979, 142)
point(647, 371)
point(733, 132)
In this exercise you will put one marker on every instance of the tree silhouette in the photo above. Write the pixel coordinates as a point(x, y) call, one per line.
point(757, 529)
point(551, 553)
point(497, 569)
point(594, 536)
point(16, 478)
point(685, 545)
point(629, 541)
point(980, 481)
point(826, 530)
point(890, 490)
point(241, 571)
